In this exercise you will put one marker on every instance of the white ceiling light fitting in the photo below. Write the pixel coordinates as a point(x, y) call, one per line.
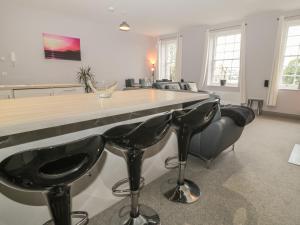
point(124, 26)
point(111, 9)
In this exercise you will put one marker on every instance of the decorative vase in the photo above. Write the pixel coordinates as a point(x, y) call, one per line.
point(222, 82)
point(104, 89)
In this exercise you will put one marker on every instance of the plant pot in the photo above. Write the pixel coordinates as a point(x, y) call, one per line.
point(222, 82)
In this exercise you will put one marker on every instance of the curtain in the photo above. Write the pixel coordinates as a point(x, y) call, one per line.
point(205, 63)
point(178, 69)
point(277, 65)
point(243, 90)
point(158, 66)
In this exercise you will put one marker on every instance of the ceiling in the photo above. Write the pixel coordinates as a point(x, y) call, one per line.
point(156, 17)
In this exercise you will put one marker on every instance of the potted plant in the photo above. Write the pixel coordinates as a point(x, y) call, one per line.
point(84, 75)
point(224, 73)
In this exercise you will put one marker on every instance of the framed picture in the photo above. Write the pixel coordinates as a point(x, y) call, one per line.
point(61, 47)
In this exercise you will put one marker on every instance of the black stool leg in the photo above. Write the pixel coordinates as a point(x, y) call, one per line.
point(59, 202)
point(134, 164)
point(186, 191)
point(136, 214)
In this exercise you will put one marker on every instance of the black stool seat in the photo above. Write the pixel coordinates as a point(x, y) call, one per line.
point(53, 169)
point(118, 131)
point(118, 134)
point(186, 123)
point(133, 140)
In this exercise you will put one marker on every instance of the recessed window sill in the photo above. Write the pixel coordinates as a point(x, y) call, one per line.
point(289, 89)
point(225, 86)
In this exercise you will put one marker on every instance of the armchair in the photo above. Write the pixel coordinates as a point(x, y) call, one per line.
point(225, 129)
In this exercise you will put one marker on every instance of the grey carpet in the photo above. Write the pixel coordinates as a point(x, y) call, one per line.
point(253, 185)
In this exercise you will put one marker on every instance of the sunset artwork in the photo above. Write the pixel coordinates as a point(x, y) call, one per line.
point(61, 47)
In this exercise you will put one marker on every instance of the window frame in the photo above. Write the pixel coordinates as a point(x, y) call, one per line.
point(160, 63)
point(287, 25)
point(212, 51)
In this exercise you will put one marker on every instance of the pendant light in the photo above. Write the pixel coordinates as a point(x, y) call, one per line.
point(124, 26)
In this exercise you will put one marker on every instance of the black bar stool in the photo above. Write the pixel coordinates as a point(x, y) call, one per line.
point(132, 140)
point(51, 170)
point(187, 122)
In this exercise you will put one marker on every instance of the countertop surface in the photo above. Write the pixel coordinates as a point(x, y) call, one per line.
point(36, 86)
point(28, 114)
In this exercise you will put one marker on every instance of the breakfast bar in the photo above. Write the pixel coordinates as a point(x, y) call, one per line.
point(32, 123)
point(30, 119)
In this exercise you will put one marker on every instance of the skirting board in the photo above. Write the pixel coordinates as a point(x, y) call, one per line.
point(295, 155)
point(283, 115)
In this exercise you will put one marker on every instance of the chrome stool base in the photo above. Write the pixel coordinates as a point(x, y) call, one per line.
point(147, 217)
point(81, 215)
point(189, 192)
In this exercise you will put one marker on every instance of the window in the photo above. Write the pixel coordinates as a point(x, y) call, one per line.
point(290, 74)
point(225, 58)
point(167, 59)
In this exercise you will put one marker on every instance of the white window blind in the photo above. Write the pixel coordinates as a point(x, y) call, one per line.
point(167, 58)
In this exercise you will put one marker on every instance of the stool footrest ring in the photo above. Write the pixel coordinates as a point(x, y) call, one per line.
point(75, 214)
point(124, 192)
point(171, 162)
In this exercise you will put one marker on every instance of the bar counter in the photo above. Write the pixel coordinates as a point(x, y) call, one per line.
point(30, 119)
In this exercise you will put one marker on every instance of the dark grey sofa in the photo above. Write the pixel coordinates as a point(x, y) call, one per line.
point(181, 86)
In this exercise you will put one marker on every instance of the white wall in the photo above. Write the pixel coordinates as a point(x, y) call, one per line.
point(112, 54)
point(192, 52)
point(261, 34)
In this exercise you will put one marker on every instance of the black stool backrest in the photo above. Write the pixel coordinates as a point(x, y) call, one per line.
point(145, 134)
point(196, 119)
point(44, 168)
